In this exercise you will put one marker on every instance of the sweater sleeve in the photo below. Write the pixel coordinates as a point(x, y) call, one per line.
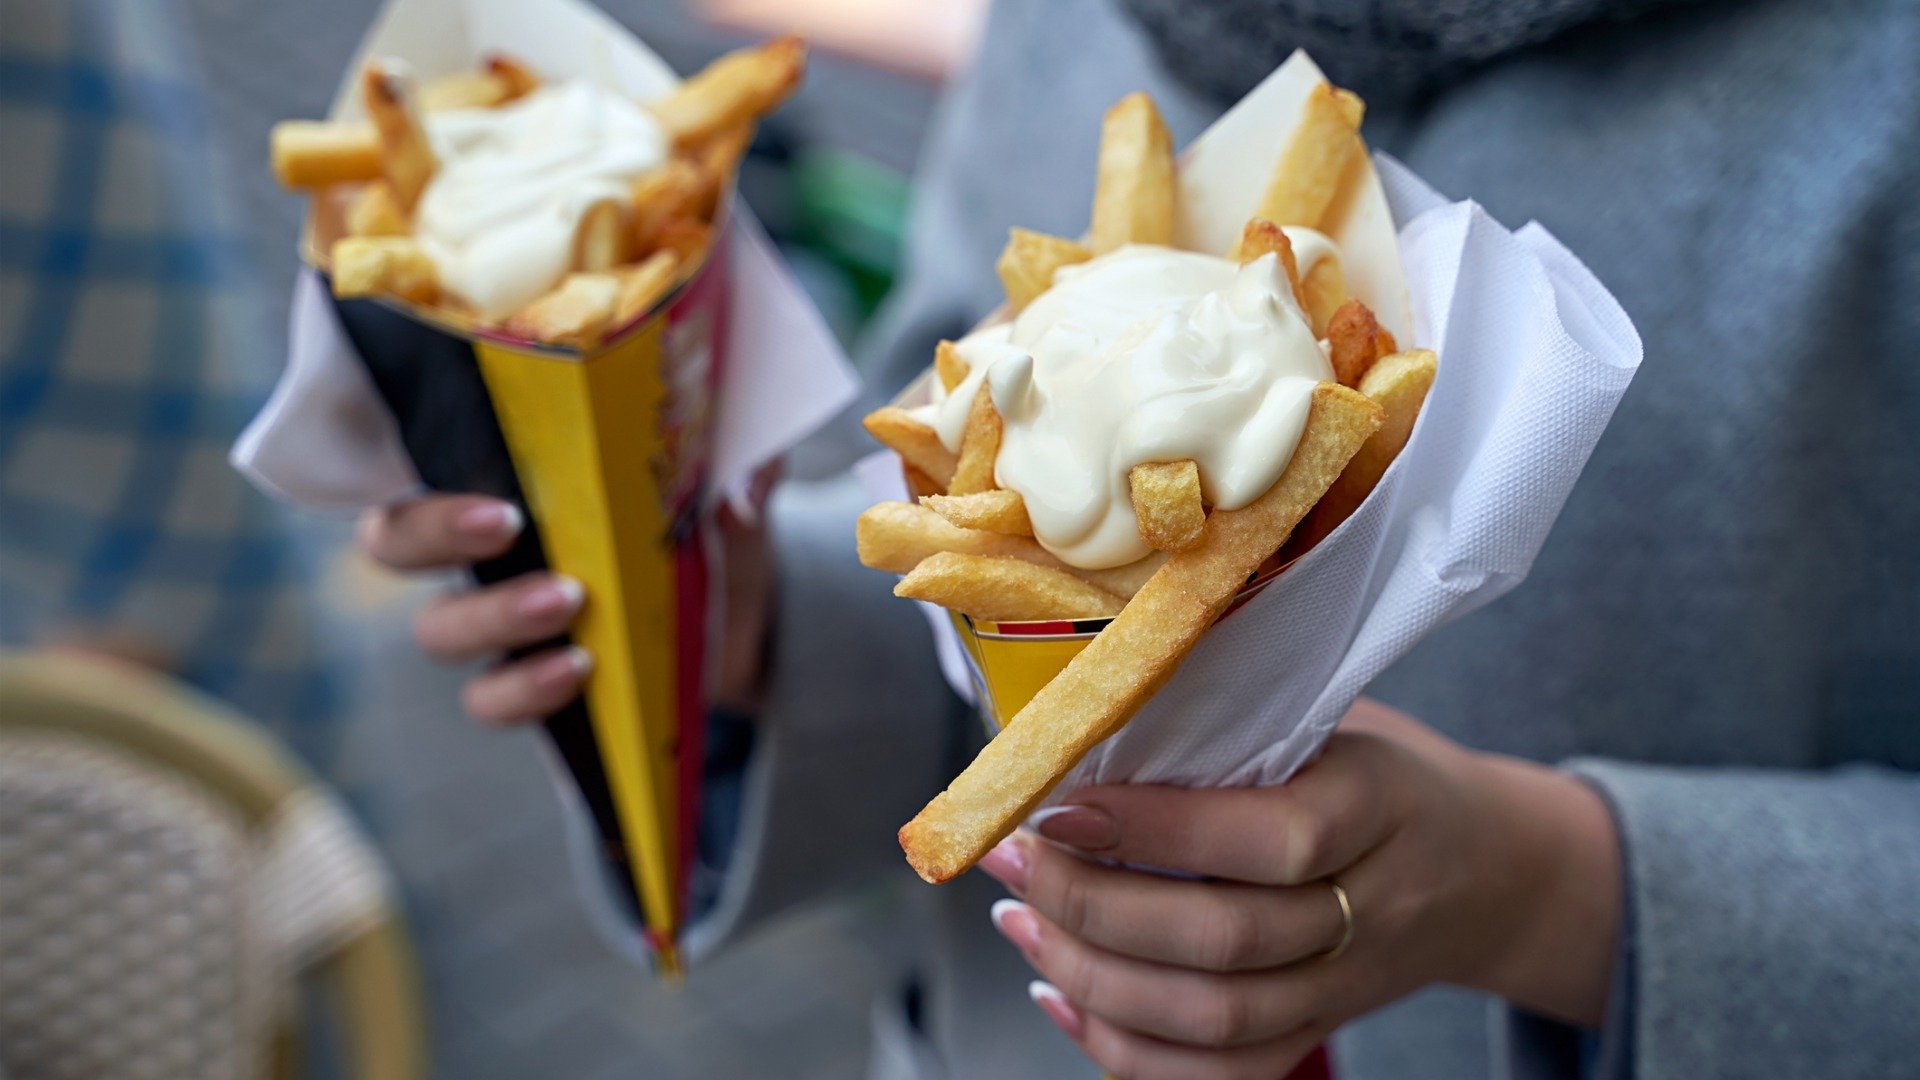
point(1772, 927)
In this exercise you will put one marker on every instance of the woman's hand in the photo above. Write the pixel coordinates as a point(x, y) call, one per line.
point(1458, 867)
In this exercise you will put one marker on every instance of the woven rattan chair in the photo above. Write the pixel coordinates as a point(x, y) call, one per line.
point(169, 881)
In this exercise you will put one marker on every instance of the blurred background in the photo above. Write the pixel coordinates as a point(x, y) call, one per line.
point(146, 258)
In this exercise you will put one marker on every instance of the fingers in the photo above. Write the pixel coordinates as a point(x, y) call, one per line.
point(481, 622)
point(1207, 925)
point(1194, 1008)
point(1333, 812)
point(528, 689)
point(440, 531)
point(1133, 1056)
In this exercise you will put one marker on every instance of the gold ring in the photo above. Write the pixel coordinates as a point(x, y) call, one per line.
point(1346, 923)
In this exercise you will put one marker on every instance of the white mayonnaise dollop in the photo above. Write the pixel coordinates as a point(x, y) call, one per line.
point(499, 216)
point(1143, 354)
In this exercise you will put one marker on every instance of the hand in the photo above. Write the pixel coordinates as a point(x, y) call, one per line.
point(1459, 867)
point(440, 532)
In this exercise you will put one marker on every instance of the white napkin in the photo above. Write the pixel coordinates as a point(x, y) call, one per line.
point(1534, 355)
point(325, 438)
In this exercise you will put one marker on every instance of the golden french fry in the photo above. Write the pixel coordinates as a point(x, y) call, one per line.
point(661, 194)
point(1028, 261)
point(578, 312)
point(375, 212)
point(732, 90)
point(896, 536)
point(1323, 288)
point(948, 367)
point(979, 446)
point(686, 239)
point(719, 157)
point(920, 484)
point(406, 157)
point(1262, 237)
point(1384, 344)
point(602, 238)
point(315, 153)
point(365, 265)
point(1133, 183)
point(463, 90)
point(1399, 383)
point(1352, 340)
point(1004, 589)
point(916, 443)
point(516, 78)
point(1167, 504)
point(1107, 682)
point(1307, 175)
point(643, 285)
point(998, 511)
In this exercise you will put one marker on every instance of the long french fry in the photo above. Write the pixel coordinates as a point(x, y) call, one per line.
point(602, 239)
point(719, 157)
point(375, 212)
point(999, 511)
point(518, 79)
point(732, 90)
point(406, 157)
point(464, 90)
point(686, 239)
point(1262, 237)
point(578, 312)
point(642, 285)
point(895, 537)
point(948, 367)
point(1353, 337)
point(1133, 183)
point(979, 446)
point(1307, 175)
point(1027, 264)
point(1005, 589)
point(661, 194)
point(315, 153)
point(916, 443)
point(1323, 288)
point(1167, 504)
point(370, 265)
point(1400, 384)
point(1106, 683)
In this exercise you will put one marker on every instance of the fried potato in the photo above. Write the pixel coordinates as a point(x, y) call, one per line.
point(464, 90)
point(602, 239)
point(1353, 340)
point(1384, 344)
point(518, 79)
point(366, 265)
point(1399, 383)
point(998, 511)
point(1323, 288)
point(1027, 263)
point(1262, 237)
point(916, 443)
point(315, 153)
point(1106, 683)
point(920, 484)
point(979, 446)
point(406, 157)
point(685, 238)
point(1307, 175)
point(1133, 182)
point(659, 195)
point(896, 536)
point(643, 285)
point(719, 158)
point(578, 312)
point(732, 90)
point(948, 367)
point(374, 211)
point(1167, 504)
point(1004, 589)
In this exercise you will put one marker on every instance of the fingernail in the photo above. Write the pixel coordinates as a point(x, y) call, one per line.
point(1057, 1007)
point(490, 520)
point(1007, 863)
point(564, 667)
point(557, 596)
point(1088, 828)
point(1016, 923)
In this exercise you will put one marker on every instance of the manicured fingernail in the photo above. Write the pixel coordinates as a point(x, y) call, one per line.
point(1057, 1007)
point(557, 596)
point(564, 667)
point(490, 520)
point(1088, 828)
point(1007, 862)
point(1016, 923)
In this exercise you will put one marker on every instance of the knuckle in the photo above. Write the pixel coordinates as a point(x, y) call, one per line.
point(1222, 1018)
point(1308, 839)
point(1229, 938)
point(1079, 978)
point(1073, 905)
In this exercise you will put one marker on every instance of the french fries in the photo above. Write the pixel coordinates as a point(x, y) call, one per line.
point(998, 511)
point(1133, 182)
point(896, 537)
point(686, 239)
point(1399, 384)
point(642, 286)
point(948, 367)
point(368, 265)
point(917, 444)
point(973, 472)
point(1323, 288)
point(316, 153)
point(1167, 504)
point(1307, 175)
point(732, 90)
point(500, 79)
point(662, 194)
point(1004, 589)
point(603, 236)
point(1028, 262)
point(1263, 237)
point(578, 312)
point(406, 157)
point(1107, 682)
point(375, 212)
point(1353, 340)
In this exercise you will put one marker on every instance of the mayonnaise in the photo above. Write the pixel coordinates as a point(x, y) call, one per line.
point(1143, 354)
point(499, 216)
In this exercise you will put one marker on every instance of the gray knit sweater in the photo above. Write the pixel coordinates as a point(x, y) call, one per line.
point(1723, 632)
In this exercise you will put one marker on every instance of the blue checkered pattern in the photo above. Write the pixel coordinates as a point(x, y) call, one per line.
point(132, 350)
